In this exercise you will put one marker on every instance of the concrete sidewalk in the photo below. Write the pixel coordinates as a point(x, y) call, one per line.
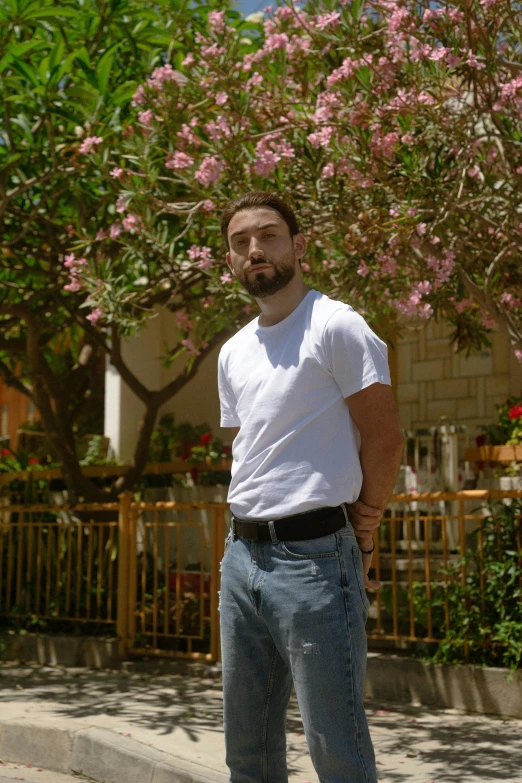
point(169, 716)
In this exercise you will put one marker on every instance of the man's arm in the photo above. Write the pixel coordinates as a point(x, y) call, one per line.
point(375, 414)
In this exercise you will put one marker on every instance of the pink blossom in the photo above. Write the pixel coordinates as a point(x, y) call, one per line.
point(395, 211)
point(322, 137)
point(322, 21)
point(248, 309)
point(163, 74)
point(518, 355)
point(421, 229)
point(463, 305)
point(207, 302)
point(186, 133)
point(95, 316)
point(69, 261)
point(423, 287)
point(342, 73)
point(115, 230)
point(276, 41)
point(121, 204)
point(189, 59)
point(305, 267)
point(269, 151)
point(328, 170)
point(452, 59)
point(145, 117)
point(210, 170)
point(488, 321)
point(226, 278)
point(139, 97)
point(191, 348)
point(130, 222)
point(101, 234)
point(255, 81)
point(473, 61)
point(203, 255)
point(73, 286)
point(510, 300)
point(178, 160)
point(89, 144)
point(438, 53)
point(219, 128)
point(117, 173)
point(208, 205)
point(397, 18)
point(211, 51)
point(182, 320)
point(407, 138)
point(216, 21)
point(221, 98)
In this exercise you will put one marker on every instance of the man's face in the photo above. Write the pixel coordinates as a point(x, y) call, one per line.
point(262, 252)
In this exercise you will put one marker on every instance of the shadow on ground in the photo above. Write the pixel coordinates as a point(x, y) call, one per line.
point(416, 744)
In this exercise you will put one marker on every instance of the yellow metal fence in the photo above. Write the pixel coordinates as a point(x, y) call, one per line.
point(149, 572)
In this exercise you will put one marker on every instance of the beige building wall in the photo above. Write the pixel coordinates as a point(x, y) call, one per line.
point(433, 381)
point(430, 382)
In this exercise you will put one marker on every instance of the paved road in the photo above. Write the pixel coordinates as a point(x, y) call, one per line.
point(10, 772)
point(182, 714)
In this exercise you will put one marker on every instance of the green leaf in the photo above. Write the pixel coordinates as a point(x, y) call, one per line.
point(26, 70)
point(51, 12)
point(103, 69)
point(20, 49)
point(124, 93)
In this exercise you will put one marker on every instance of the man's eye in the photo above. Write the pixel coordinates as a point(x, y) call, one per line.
point(269, 235)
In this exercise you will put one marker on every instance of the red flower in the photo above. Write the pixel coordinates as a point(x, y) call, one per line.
point(515, 412)
point(185, 455)
point(6, 452)
point(205, 439)
point(34, 461)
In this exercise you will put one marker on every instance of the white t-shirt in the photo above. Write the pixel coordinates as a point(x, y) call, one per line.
point(285, 385)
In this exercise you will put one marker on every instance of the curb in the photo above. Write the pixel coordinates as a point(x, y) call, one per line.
point(100, 754)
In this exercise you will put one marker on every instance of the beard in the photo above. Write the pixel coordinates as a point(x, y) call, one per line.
point(260, 284)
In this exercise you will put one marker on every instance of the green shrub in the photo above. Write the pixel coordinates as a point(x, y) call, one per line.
point(484, 608)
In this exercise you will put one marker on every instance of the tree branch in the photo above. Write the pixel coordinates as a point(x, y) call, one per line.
point(485, 300)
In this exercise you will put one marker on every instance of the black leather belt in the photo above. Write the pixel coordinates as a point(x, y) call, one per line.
point(300, 527)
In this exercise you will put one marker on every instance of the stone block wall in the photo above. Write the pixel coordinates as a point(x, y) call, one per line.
point(433, 381)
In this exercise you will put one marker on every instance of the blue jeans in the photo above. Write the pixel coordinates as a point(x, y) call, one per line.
point(295, 611)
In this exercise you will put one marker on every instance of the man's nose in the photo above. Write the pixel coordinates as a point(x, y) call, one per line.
point(254, 251)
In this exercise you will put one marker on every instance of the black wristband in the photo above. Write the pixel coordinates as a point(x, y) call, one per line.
point(369, 552)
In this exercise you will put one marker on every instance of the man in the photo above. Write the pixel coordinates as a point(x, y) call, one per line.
point(306, 386)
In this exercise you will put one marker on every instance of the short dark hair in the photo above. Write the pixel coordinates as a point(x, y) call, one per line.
point(258, 198)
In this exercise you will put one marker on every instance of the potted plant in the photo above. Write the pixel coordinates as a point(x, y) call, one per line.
point(501, 442)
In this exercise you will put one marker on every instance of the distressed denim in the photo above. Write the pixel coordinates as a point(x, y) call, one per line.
point(295, 611)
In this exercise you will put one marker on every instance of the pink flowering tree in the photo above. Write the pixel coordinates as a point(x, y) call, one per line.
point(394, 129)
point(68, 72)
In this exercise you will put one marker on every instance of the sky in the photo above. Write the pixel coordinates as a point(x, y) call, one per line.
point(250, 6)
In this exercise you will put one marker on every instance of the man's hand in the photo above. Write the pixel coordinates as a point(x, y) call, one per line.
point(365, 519)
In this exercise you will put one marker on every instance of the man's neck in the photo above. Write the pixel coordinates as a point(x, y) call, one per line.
point(279, 306)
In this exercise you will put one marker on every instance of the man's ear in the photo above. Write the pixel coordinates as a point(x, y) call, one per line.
point(300, 245)
point(229, 263)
